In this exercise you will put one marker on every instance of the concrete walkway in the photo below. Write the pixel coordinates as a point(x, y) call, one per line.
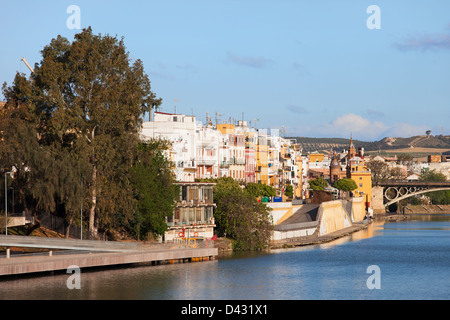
point(315, 239)
point(97, 254)
point(68, 244)
point(34, 264)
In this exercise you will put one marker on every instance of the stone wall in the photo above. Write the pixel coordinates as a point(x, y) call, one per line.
point(333, 217)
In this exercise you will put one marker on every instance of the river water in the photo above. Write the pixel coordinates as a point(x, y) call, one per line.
point(412, 260)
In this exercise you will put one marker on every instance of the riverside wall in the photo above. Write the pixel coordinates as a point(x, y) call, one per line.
point(333, 216)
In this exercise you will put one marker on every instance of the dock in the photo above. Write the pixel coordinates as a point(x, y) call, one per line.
point(93, 254)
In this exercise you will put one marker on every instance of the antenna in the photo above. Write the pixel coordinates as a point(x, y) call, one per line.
point(28, 65)
point(218, 117)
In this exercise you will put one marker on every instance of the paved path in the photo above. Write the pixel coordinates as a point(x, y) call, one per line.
point(314, 239)
point(27, 265)
point(69, 244)
point(101, 254)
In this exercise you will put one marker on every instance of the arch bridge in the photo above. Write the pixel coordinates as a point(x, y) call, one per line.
point(395, 191)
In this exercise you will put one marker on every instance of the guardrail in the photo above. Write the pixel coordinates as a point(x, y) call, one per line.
point(296, 226)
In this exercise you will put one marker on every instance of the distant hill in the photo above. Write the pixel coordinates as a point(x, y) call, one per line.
point(388, 143)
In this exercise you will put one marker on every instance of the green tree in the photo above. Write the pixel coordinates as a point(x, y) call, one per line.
point(155, 190)
point(345, 185)
point(318, 184)
point(240, 216)
point(85, 102)
point(289, 192)
point(436, 197)
point(432, 175)
point(260, 190)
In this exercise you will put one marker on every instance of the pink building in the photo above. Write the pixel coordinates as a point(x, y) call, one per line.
point(250, 165)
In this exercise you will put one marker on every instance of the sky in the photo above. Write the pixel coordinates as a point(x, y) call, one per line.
point(310, 68)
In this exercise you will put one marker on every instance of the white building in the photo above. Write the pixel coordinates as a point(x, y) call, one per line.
point(207, 154)
point(180, 130)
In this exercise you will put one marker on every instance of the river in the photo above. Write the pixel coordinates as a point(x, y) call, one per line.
point(411, 259)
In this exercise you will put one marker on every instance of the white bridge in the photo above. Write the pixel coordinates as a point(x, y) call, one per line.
point(395, 191)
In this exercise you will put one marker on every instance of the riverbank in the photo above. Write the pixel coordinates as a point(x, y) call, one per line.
point(315, 240)
point(427, 209)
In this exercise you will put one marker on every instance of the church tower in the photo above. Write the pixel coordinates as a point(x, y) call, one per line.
point(351, 149)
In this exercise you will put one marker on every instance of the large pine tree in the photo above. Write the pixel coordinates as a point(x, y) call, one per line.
point(79, 115)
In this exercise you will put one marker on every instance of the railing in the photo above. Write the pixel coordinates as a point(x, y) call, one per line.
point(209, 161)
point(296, 226)
point(186, 164)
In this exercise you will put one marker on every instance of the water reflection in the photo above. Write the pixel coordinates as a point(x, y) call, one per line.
point(413, 260)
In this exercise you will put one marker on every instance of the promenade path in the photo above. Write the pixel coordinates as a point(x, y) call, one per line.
point(93, 254)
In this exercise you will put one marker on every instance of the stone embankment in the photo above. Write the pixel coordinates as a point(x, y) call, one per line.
point(427, 209)
point(316, 239)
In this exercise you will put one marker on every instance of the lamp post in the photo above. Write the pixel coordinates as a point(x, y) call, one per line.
point(6, 201)
point(12, 210)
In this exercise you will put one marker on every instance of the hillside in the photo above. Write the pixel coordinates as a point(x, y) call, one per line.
point(388, 143)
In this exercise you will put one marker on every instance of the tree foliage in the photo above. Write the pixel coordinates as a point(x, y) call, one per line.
point(436, 197)
point(155, 190)
point(345, 185)
point(318, 184)
point(240, 216)
point(260, 190)
point(289, 192)
point(381, 172)
point(432, 176)
point(71, 128)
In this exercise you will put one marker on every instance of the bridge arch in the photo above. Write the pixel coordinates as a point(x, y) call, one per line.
point(410, 194)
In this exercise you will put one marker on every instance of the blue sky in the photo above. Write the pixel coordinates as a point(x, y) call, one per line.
point(311, 67)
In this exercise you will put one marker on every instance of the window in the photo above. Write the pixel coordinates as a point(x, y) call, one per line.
point(208, 213)
point(184, 215)
point(184, 193)
point(198, 214)
point(360, 185)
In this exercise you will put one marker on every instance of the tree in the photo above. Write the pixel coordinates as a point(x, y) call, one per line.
point(379, 170)
point(240, 216)
point(155, 190)
point(289, 192)
point(318, 184)
point(436, 197)
point(345, 185)
point(405, 158)
point(260, 190)
point(86, 100)
point(432, 175)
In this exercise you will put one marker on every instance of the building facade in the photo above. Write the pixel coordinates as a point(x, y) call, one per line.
point(193, 216)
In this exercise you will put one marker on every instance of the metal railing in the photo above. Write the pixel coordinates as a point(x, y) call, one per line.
point(296, 226)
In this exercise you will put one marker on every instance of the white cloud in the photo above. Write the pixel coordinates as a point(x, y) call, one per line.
point(360, 128)
point(405, 130)
point(352, 124)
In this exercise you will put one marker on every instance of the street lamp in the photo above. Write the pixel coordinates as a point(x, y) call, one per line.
point(12, 210)
point(6, 201)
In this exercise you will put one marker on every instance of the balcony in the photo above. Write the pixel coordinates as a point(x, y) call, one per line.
point(239, 161)
point(224, 164)
point(186, 164)
point(206, 161)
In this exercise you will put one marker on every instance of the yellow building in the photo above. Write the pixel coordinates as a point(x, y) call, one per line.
point(298, 192)
point(316, 157)
point(358, 171)
point(226, 128)
point(262, 161)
